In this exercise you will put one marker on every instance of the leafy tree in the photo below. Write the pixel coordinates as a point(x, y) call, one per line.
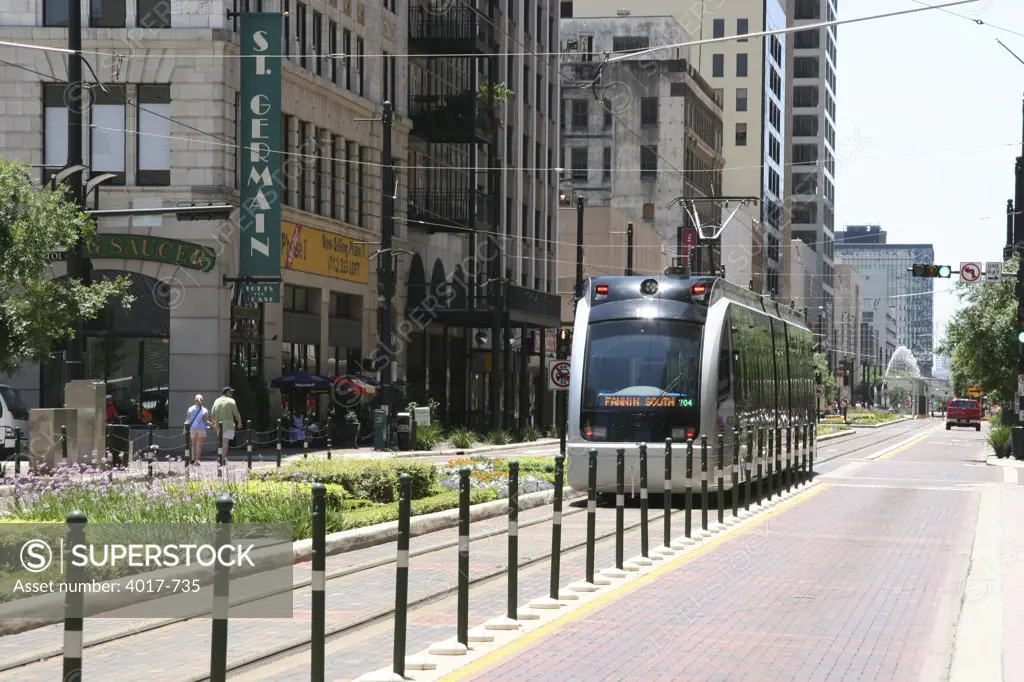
point(897, 394)
point(828, 381)
point(981, 339)
point(35, 310)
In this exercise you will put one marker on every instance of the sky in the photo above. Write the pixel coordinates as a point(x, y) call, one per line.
point(928, 126)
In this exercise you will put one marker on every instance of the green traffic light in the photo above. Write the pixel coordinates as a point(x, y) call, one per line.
point(1020, 336)
point(944, 271)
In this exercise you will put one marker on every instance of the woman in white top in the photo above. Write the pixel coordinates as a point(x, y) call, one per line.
point(197, 420)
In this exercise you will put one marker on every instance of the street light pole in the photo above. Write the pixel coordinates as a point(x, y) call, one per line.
point(74, 368)
point(579, 251)
point(629, 249)
point(385, 271)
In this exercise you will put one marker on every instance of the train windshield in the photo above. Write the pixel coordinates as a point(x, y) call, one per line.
point(641, 379)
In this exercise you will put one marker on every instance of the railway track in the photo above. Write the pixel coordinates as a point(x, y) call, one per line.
point(571, 545)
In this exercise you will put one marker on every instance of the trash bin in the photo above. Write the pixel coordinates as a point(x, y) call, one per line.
point(380, 430)
point(404, 431)
point(119, 438)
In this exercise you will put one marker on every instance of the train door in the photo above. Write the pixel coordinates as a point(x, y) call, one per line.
point(726, 407)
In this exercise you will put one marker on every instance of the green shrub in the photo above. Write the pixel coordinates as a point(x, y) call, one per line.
point(462, 438)
point(374, 480)
point(499, 438)
point(997, 438)
point(428, 505)
point(428, 436)
point(530, 434)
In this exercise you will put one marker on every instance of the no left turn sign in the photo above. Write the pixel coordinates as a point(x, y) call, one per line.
point(970, 272)
point(558, 375)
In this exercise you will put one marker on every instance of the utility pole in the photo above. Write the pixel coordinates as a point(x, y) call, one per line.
point(74, 368)
point(385, 271)
point(629, 249)
point(579, 251)
point(1013, 213)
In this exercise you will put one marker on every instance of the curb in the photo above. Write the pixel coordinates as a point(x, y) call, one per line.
point(882, 426)
point(1011, 462)
point(832, 436)
point(370, 536)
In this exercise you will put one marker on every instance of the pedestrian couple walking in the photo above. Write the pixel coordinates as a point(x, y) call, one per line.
point(199, 419)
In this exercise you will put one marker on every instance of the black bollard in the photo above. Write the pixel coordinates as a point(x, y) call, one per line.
point(668, 493)
point(74, 601)
point(778, 461)
point(305, 438)
point(688, 492)
point(748, 489)
point(810, 453)
point(64, 442)
point(319, 595)
point(556, 526)
point(188, 449)
point(17, 451)
point(770, 450)
point(789, 458)
point(735, 472)
point(513, 540)
point(220, 449)
point(721, 483)
point(808, 425)
point(151, 435)
point(330, 427)
point(591, 512)
point(113, 452)
point(280, 426)
point(248, 443)
point(704, 482)
point(221, 587)
point(643, 500)
point(620, 505)
point(462, 628)
point(402, 573)
point(760, 464)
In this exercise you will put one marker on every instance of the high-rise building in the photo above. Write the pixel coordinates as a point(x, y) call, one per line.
point(888, 284)
point(750, 77)
point(639, 134)
point(810, 175)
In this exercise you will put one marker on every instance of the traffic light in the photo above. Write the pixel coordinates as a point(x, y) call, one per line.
point(564, 347)
point(1020, 322)
point(932, 270)
point(817, 377)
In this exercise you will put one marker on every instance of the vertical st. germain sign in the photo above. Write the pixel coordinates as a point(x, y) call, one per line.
point(260, 233)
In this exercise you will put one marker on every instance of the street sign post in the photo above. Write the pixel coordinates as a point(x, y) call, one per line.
point(993, 272)
point(1020, 384)
point(970, 272)
point(845, 402)
point(819, 391)
point(906, 402)
point(975, 391)
point(558, 375)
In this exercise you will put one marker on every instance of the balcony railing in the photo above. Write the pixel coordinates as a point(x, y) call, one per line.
point(457, 209)
point(446, 27)
point(456, 118)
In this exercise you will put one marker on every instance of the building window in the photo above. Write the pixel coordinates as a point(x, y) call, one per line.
point(318, 41)
point(360, 51)
point(718, 28)
point(630, 43)
point(153, 14)
point(106, 14)
point(648, 111)
point(741, 65)
point(741, 99)
point(805, 153)
point(607, 113)
point(300, 20)
point(320, 205)
point(805, 183)
point(717, 65)
point(295, 299)
point(807, 40)
point(346, 47)
point(526, 83)
point(742, 29)
point(305, 132)
point(741, 134)
point(805, 212)
point(286, 8)
point(335, 207)
point(648, 212)
point(360, 184)
point(540, 94)
point(606, 163)
point(565, 9)
point(648, 162)
point(805, 96)
point(286, 140)
point(55, 13)
point(580, 114)
point(153, 143)
point(807, 9)
point(579, 163)
point(805, 126)
point(806, 67)
point(55, 129)
point(107, 142)
point(332, 48)
point(390, 87)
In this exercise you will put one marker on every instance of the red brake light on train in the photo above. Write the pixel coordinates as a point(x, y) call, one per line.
point(698, 289)
point(601, 289)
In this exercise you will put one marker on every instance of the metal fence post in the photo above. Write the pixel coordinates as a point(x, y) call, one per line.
point(688, 491)
point(280, 426)
point(643, 501)
point(735, 472)
point(221, 587)
point(769, 456)
point(778, 461)
point(591, 512)
point(305, 438)
point(151, 435)
point(556, 526)
point(114, 459)
point(220, 449)
point(402, 573)
point(319, 616)
point(810, 454)
point(667, 544)
point(74, 601)
point(704, 482)
point(248, 443)
point(64, 442)
point(330, 427)
point(760, 463)
point(789, 458)
point(620, 505)
point(721, 483)
point(513, 541)
point(188, 448)
point(748, 489)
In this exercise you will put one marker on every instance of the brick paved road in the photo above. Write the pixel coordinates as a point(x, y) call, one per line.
point(350, 598)
point(861, 582)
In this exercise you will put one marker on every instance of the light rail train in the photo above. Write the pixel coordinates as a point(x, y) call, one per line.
point(677, 356)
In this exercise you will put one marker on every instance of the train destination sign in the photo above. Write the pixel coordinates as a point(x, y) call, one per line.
point(650, 401)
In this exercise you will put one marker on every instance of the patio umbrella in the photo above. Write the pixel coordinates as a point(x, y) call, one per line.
point(301, 382)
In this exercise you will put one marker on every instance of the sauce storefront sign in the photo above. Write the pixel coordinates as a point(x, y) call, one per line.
point(142, 247)
point(317, 252)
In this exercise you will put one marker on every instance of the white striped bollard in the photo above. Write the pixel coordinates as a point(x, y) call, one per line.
point(74, 602)
point(221, 588)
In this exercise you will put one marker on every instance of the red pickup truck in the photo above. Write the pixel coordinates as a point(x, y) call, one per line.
point(963, 412)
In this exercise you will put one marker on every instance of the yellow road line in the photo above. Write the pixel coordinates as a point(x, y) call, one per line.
point(518, 645)
point(907, 446)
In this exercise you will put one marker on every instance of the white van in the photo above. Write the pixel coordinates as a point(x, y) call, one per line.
point(13, 415)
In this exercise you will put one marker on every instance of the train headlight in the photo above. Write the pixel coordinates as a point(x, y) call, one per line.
point(599, 433)
point(679, 433)
point(649, 287)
